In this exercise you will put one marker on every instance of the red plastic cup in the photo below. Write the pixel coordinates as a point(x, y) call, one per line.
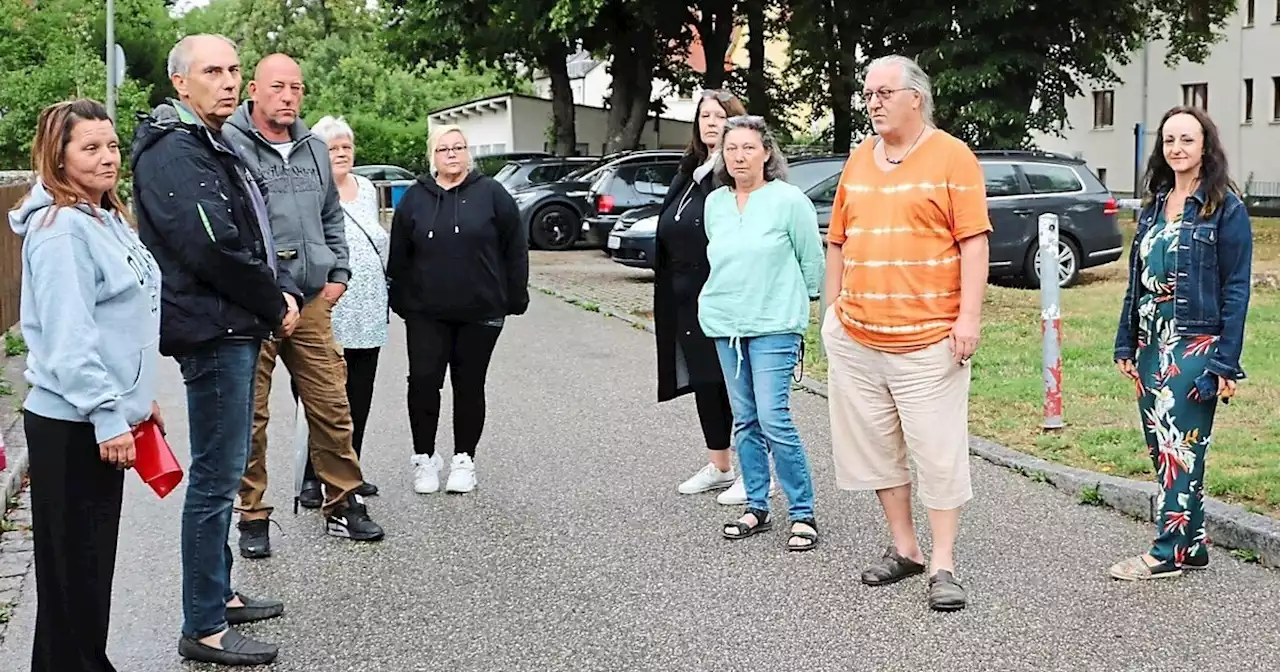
point(155, 461)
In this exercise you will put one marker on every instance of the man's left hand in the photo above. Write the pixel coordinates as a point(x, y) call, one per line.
point(964, 338)
point(333, 291)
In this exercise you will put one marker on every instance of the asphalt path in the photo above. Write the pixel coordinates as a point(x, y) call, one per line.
point(576, 553)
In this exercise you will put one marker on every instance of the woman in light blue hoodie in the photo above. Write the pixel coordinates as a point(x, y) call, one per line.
point(90, 314)
point(766, 265)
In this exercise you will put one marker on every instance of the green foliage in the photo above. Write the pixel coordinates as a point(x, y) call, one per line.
point(349, 70)
point(47, 55)
point(14, 345)
point(988, 60)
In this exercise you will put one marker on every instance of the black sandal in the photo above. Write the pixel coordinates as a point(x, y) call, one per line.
point(741, 530)
point(810, 537)
point(891, 568)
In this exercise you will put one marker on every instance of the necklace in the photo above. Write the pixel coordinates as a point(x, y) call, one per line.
point(904, 154)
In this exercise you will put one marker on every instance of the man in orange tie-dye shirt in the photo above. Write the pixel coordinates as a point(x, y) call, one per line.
point(906, 272)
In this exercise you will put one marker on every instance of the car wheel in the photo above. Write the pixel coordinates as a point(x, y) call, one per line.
point(1068, 264)
point(554, 227)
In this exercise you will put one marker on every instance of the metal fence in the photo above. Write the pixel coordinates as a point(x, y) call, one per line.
point(10, 257)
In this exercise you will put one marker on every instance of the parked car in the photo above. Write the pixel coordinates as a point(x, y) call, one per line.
point(633, 238)
point(622, 188)
point(391, 182)
point(383, 172)
point(553, 212)
point(490, 164)
point(524, 172)
point(1021, 186)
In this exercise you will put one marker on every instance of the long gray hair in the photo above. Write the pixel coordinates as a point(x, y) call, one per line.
point(775, 168)
point(913, 78)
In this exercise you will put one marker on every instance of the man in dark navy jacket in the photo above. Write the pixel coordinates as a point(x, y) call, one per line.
point(204, 219)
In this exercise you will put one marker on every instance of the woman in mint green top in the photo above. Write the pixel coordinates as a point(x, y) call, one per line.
point(767, 262)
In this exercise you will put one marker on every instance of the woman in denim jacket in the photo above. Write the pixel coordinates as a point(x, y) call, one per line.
point(1182, 327)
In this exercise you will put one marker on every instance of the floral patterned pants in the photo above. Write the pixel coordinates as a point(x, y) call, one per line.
point(1177, 425)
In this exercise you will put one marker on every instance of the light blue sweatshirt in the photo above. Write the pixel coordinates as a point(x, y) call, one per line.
point(767, 262)
point(90, 314)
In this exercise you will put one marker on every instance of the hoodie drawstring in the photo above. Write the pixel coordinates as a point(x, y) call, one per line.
point(735, 342)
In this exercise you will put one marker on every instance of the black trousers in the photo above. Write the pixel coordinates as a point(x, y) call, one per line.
point(362, 371)
point(715, 415)
point(75, 517)
point(464, 350)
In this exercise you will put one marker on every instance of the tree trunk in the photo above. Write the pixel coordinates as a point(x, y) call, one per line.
point(838, 81)
point(757, 74)
point(715, 27)
point(554, 61)
point(631, 69)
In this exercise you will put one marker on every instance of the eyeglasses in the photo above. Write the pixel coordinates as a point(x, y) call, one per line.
point(718, 94)
point(456, 149)
point(882, 94)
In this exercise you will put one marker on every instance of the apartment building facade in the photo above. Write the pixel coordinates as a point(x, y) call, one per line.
point(1238, 84)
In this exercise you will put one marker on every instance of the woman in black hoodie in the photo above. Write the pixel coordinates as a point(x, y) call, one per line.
point(687, 360)
point(458, 265)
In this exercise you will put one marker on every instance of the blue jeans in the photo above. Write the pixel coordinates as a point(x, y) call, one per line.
point(757, 372)
point(220, 382)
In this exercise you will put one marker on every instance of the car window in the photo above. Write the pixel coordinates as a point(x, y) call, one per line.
point(543, 174)
point(654, 179)
point(824, 193)
point(587, 173)
point(806, 175)
point(506, 172)
point(1001, 179)
point(1047, 178)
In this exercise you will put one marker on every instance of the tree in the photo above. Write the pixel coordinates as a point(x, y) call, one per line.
point(1002, 69)
point(501, 34)
point(715, 20)
point(48, 54)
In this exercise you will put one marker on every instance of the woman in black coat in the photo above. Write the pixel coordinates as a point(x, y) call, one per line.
point(687, 360)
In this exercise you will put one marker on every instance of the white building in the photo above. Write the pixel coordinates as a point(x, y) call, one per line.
point(1238, 84)
point(513, 122)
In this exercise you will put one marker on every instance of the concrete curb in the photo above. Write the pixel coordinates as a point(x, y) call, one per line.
point(1229, 526)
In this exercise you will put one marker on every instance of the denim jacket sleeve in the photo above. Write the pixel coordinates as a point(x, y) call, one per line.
point(1235, 275)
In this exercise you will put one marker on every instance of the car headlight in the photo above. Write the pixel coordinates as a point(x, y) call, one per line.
point(646, 225)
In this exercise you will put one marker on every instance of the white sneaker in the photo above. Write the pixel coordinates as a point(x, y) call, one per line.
point(707, 478)
point(426, 473)
point(462, 475)
point(736, 495)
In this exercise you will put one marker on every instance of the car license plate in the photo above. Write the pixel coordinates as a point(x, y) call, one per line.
point(614, 242)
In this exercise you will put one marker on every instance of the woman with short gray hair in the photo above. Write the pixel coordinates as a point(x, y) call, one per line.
point(766, 265)
point(360, 318)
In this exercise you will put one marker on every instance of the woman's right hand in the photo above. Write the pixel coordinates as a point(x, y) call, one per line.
point(118, 452)
point(1127, 368)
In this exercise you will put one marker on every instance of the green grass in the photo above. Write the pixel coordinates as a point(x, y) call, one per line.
point(1102, 431)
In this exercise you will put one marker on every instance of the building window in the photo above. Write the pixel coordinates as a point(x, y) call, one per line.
point(1196, 95)
point(1104, 109)
point(1248, 101)
point(1102, 176)
point(1248, 12)
point(1275, 98)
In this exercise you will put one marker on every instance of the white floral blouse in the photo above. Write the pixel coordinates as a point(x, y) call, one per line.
point(360, 318)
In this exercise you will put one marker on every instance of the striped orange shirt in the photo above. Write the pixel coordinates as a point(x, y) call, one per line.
point(899, 231)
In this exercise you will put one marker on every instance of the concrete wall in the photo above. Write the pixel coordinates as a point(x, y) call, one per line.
point(1245, 52)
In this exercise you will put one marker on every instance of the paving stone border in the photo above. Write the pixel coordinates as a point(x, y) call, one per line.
point(1229, 526)
point(11, 429)
point(16, 556)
